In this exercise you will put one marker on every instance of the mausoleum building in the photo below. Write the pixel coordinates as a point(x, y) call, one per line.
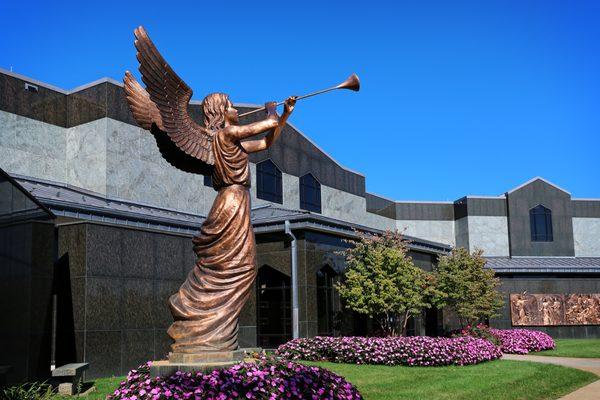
point(96, 228)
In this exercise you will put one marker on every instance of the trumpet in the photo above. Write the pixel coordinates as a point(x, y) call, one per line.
point(352, 83)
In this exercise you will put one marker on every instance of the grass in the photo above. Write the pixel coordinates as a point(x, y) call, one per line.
point(582, 348)
point(104, 387)
point(498, 380)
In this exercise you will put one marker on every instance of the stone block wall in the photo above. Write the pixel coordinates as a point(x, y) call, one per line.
point(118, 281)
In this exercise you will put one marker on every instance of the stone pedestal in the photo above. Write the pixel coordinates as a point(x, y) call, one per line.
point(199, 362)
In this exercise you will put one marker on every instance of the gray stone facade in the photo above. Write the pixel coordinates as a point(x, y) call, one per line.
point(125, 218)
point(88, 139)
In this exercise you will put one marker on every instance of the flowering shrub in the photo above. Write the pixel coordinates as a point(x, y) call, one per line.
point(265, 379)
point(416, 350)
point(481, 331)
point(522, 341)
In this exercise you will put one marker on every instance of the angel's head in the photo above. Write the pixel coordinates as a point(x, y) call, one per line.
point(217, 109)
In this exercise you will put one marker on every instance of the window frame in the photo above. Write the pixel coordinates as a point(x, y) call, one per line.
point(314, 205)
point(261, 175)
point(540, 224)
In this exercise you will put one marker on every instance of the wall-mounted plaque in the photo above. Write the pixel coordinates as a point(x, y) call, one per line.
point(555, 309)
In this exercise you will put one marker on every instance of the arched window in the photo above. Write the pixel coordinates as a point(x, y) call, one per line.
point(540, 219)
point(268, 182)
point(310, 193)
point(326, 300)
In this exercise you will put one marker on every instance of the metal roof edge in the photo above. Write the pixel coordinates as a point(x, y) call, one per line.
point(537, 178)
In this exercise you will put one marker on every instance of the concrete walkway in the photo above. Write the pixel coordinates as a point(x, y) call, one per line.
point(589, 392)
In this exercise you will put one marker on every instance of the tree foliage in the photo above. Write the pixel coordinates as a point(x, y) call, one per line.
point(467, 287)
point(382, 282)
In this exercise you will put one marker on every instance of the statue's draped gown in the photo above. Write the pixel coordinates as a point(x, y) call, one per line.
point(208, 304)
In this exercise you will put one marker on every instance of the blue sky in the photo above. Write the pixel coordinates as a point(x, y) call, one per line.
point(457, 97)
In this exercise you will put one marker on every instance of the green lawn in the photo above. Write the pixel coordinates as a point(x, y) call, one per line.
point(498, 380)
point(586, 348)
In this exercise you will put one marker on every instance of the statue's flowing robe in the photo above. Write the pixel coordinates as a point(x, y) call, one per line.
point(208, 304)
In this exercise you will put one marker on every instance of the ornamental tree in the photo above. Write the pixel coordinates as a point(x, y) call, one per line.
point(382, 282)
point(468, 288)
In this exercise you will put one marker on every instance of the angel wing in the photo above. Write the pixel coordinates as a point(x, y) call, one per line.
point(166, 102)
point(147, 115)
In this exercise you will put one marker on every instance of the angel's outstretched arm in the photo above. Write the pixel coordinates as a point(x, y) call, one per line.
point(252, 146)
point(240, 132)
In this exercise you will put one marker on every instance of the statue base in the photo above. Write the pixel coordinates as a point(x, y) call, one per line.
point(205, 362)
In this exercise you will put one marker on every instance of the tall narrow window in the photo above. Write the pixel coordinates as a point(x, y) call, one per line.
point(326, 278)
point(268, 182)
point(310, 193)
point(208, 180)
point(540, 219)
point(273, 308)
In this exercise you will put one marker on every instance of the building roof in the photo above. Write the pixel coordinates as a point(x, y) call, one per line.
point(17, 203)
point(70, 201)
point(270, 218)
point(544, 264)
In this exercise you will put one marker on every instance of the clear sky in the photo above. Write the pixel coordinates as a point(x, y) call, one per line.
point(457, 97)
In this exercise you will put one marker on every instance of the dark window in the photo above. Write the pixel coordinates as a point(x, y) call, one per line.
point(310, 193)
point(326, 300)
point(268, 182)
point(540, 219)
point(208, 180)
point(274, 310)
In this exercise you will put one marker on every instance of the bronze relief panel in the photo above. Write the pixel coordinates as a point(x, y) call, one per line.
point(555, 309)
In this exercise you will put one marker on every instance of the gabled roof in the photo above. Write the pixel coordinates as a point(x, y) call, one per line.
point(537, 178)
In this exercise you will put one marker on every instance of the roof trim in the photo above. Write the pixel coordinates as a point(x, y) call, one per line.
point(313, 226)
point(100, 195)
point(96, 82)
point(422, 202)
point(537, 178)
point(380, 196)
point(56, 88)
point(500, 197)
point(562, 264)
point(306, 216)
point(26, 193)
point(323, 151)
point(34, 81)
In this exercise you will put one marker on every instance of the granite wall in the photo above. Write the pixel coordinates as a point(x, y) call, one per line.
point(436, 231)
point(490, 234)
point(31, 147)
point(115, 284)
point(586, 235)
point(26, 285)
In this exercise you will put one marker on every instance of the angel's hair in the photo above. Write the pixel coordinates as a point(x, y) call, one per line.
point(214, 106)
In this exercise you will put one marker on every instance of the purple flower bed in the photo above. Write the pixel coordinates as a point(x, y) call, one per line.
point(522, 341)
point(265, 379)
point(414, 351)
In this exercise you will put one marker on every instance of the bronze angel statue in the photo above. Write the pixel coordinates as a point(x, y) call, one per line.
point(207, 306)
